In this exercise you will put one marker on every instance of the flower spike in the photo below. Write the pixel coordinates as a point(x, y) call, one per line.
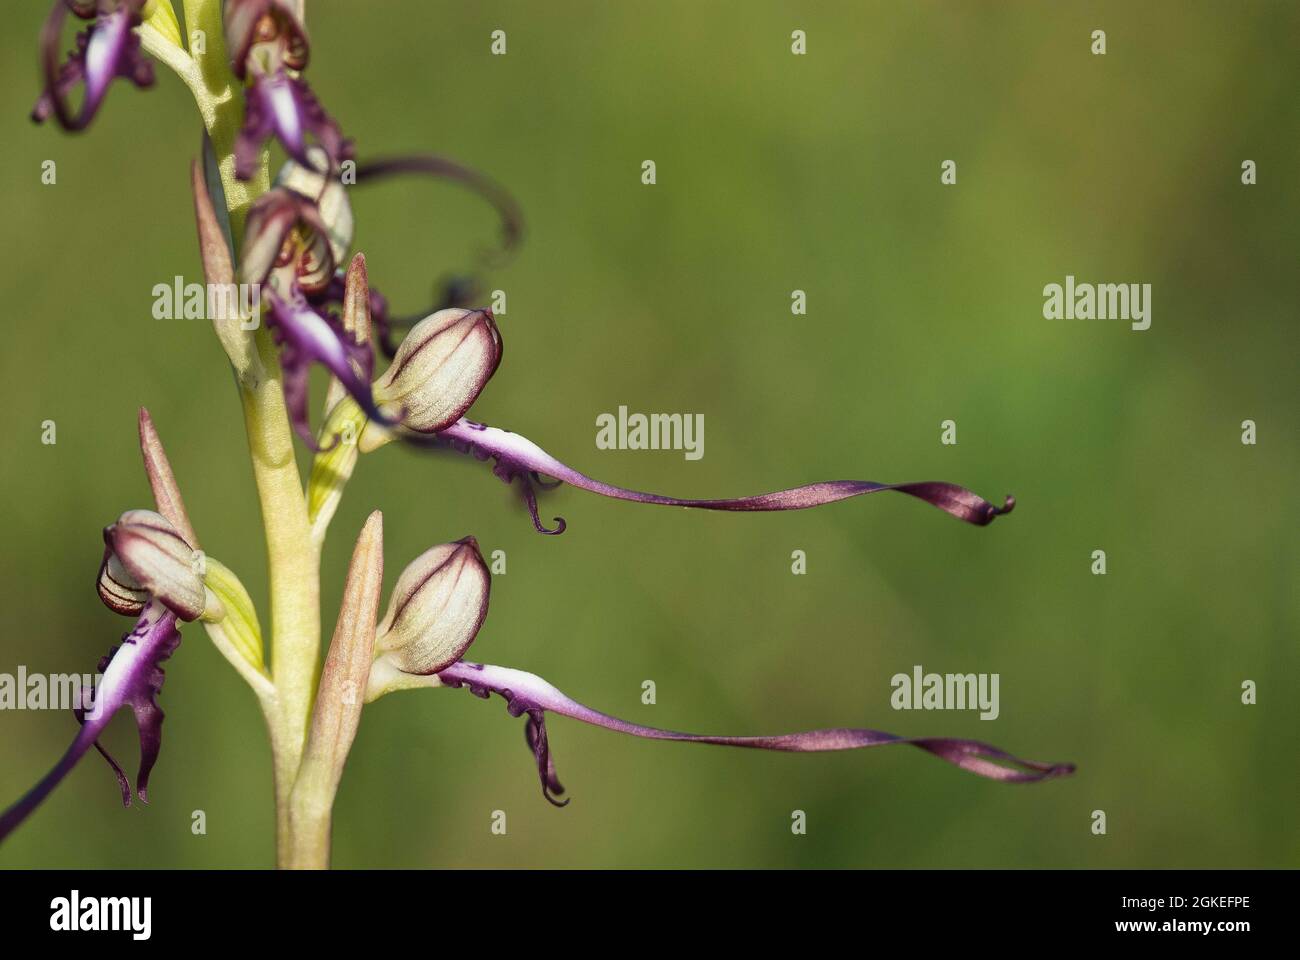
point(526, 693)
point(108, 48)
point(132, 677)
point(519, 458)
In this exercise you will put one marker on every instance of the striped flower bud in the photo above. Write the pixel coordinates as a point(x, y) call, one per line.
point(436, 609)
point(147, 557)
point(441, 367)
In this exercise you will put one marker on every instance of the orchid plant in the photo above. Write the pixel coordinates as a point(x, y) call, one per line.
point(245, 61)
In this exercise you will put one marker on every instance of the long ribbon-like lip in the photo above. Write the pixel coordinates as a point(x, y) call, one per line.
point(444, 168)
point(131, 678)
point(518, 457)
point(527, 693)
point(459, 291)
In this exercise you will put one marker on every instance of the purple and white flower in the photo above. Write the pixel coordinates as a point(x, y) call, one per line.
point(105, 50)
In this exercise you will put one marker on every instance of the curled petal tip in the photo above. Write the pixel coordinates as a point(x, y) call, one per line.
point(530, 500)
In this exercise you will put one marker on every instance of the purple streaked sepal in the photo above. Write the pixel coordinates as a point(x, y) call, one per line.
point(132, 677)
point(517, 457)
point(526, 693)
point(283, 106)
point(107, 49)
point(306, 337)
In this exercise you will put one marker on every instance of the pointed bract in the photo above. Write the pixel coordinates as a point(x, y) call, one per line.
point(162, 481)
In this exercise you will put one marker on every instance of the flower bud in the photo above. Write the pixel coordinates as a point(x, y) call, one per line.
point(436, 609)
point(440, 368)
point(148, 555)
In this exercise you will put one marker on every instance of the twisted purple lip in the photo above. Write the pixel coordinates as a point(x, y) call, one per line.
point(108, 48)
point(308, 337)
point(526, 693)
point(517, 457)
point(132, 678)
point(284, 107)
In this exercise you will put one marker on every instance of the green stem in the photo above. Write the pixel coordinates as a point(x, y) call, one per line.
point(222, 109)
point(295, 578)
point(292, 558)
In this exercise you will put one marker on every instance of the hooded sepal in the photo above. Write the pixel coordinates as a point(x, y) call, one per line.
point(441, 367)
point(529, 695)
point(151, 556)
point(132, 677)
point(437, 608)
point(270, 25)
point(286, 235)
point(162, 480)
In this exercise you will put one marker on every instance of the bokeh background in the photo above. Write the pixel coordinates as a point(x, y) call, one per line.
point(775, 173)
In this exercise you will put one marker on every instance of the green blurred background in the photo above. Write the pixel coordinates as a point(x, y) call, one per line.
point(775, 173)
